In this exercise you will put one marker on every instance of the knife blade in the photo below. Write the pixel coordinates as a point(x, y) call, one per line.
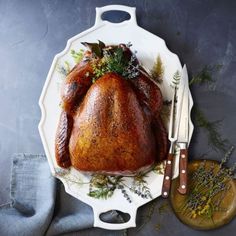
point(172, 135)
point(183, 136)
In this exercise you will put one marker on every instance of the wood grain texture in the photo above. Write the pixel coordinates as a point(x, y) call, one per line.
point(167, 176)
point(183, 171)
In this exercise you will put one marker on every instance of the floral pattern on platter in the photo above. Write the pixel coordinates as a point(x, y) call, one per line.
point(104, 186)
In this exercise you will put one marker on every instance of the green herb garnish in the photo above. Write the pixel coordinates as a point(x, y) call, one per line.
point(215, 139)
point(115, 60)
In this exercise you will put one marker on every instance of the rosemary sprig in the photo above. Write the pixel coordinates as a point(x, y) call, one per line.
point(214, 137)
point(205, 75)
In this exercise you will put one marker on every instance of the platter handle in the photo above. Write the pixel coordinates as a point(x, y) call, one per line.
point(114, 226)
point(130, 10)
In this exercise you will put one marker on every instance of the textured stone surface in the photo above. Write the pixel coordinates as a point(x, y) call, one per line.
point(32, 32)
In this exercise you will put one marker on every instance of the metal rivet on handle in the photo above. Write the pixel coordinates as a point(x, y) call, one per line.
point(169, 162)
point(167, 177)
point(183, 186)
point(183, 171)
point(183, 156)
point(165, 193)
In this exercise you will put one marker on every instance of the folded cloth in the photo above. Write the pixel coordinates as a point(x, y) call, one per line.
point(40, 206)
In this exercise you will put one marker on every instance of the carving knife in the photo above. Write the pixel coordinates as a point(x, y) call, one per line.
point(183, 136)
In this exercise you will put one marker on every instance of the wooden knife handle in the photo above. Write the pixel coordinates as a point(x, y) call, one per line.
point(167, 176)
point(183, 171)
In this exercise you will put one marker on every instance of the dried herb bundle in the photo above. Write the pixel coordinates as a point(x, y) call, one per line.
point(207, 189)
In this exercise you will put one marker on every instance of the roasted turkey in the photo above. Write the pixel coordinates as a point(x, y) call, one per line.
point(111, 125)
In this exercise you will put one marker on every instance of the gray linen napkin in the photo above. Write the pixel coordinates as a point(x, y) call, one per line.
point(40, 206)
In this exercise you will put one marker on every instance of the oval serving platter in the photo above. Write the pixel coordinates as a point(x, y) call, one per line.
point(103, 194)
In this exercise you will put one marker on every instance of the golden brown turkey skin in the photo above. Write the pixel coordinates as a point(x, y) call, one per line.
point(62, 140)
point(73, 90)
point(112, 126)
point(75, 86)
point(111, 133)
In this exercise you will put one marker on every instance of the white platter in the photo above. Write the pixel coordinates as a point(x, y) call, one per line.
point(148, 47)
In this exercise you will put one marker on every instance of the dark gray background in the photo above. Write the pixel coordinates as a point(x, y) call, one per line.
point(32, 32)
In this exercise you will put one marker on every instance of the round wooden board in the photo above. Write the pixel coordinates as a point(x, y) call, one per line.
point(200, 223)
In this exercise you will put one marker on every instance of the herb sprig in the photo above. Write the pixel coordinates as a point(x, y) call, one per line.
point(103, 186)
point(205, 75)
point(113, 59)
point(208, 187)
point(215, 139)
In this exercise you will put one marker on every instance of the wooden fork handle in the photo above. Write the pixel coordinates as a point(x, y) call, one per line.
point(167, 176)
point(183, 171)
